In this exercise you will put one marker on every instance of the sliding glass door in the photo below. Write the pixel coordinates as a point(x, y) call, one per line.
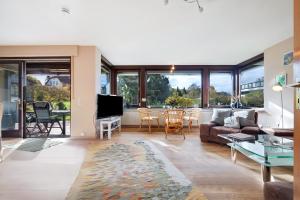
point(11, 97)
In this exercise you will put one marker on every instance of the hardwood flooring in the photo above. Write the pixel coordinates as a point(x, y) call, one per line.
point(48, 174)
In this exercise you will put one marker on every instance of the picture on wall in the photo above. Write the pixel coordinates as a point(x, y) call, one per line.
point(288, 58)
point(281, 79)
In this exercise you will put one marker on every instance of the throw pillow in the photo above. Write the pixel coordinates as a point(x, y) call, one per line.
point(247, 117)
point(219, 115)
point(232, 122)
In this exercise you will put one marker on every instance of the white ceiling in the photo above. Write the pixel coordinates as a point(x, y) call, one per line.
point(148, 32)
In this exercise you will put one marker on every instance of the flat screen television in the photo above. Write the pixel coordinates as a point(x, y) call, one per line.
point(109, 106)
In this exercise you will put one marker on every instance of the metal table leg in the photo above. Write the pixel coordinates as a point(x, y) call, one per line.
point(64, 124)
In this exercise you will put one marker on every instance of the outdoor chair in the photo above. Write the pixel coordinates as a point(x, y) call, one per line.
point(174, 121)
point(44, 119)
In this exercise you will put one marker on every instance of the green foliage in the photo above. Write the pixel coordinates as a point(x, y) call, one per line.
point(158, 89)
point(218, 98)
point(128, 87)
point(61, 106)
point(38, 92)
point(178, 101)
point(253, 99)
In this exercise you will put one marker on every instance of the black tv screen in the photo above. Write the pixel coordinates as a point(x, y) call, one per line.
point(109, 106)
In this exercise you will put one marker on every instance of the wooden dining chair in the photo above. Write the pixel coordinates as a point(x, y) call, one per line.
point(174, 121)
point(145, 116)
point(192, 115)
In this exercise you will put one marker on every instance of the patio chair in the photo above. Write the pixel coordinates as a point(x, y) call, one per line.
point(145, 115)
point(44, 118)
point(192, 115)
point(174, 121)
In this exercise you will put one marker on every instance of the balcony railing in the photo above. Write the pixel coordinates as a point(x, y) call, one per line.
point(258, 85)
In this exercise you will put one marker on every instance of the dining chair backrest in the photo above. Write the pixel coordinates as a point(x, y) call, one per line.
point(174, 116)
point(42, 109)
point(144, 112)
point(195, 112)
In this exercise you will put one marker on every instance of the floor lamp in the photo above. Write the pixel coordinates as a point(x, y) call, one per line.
point(278, 88)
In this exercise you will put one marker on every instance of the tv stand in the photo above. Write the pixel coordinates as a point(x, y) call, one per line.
point(109, 124)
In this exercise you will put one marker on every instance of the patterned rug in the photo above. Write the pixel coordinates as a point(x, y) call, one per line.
point(130, 171)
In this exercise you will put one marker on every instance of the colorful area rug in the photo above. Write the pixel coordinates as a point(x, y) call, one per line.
point(130, 171)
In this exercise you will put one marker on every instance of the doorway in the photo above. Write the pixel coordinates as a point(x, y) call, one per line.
point(48, 82)
point(25, 83)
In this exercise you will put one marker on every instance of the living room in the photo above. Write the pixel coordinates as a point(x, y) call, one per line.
point(163, 100)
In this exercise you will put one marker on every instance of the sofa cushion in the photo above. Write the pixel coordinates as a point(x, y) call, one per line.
point(232, 122)
point(215, 131)
point(247, 117)
point(278, 191)
point(219, 115)
point(251, 130)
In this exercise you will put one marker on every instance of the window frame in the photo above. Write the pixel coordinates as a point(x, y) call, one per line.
point(143, 69)
point(196, 71)
point(108, 70)
point(233, 74)
point(247, 66)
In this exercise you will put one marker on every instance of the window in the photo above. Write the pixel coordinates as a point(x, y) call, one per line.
point(221, 89)
point(128, 87)
point(252, 85)
point(105, 81)
point(161, 85)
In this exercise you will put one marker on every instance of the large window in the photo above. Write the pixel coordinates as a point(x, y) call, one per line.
point(221, 89)
point(252, 85)
point(105, 81)
point(161, 85)
point(128, 87)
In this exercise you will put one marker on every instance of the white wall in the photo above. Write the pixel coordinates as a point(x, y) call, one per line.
point(274, 66)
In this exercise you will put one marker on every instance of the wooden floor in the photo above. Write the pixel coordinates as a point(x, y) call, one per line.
point(49, 174)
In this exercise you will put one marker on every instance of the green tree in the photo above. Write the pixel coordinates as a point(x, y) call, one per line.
point(158, 89)
point(178, 92)
point(218, 98)
point(253, 99)
point(35, 91)
point(128, 87)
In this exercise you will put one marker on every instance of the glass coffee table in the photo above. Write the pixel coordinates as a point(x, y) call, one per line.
point(267, 150)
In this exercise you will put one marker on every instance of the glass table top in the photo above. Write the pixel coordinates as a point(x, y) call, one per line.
point(268, 150)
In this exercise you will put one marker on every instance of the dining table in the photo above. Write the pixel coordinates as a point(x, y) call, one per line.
point(63, 114)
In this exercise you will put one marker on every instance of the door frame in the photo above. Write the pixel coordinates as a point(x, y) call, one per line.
point(19, 132)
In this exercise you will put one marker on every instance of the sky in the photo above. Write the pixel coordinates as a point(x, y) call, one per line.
point(184, 81)
point(41, 78)
point(257, 72)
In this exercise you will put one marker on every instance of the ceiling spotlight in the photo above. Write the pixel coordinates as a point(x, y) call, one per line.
point(65, 10)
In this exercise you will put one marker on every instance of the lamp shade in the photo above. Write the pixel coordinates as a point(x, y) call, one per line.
point(277, 88)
